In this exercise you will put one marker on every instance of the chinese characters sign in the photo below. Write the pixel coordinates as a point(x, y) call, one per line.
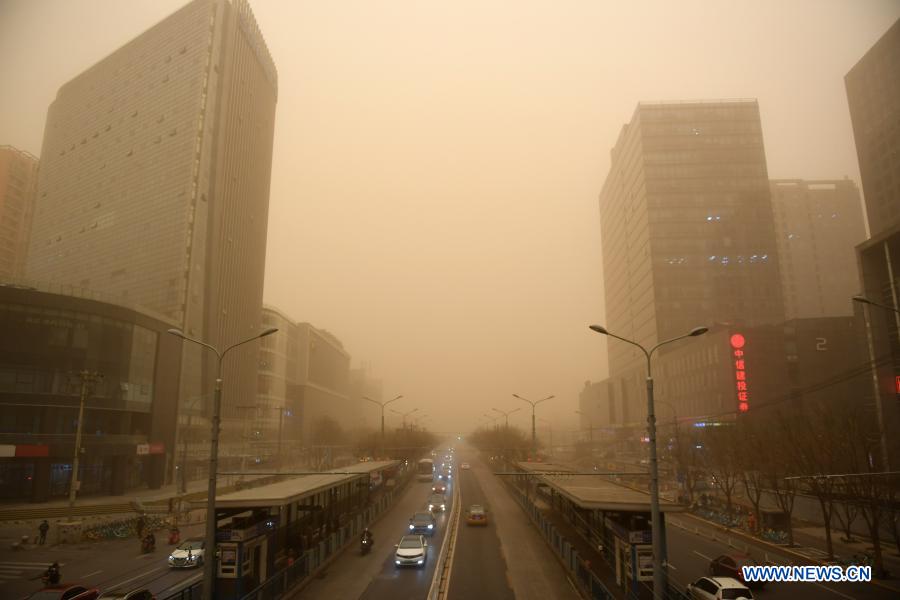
point(740, 371)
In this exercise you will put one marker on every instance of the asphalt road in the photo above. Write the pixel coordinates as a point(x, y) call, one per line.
point(690, 554)
point(106, 565)
point(479, 569)
point(508, 558)
point(375, 575)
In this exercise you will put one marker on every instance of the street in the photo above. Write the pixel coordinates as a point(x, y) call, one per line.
point(106, 565)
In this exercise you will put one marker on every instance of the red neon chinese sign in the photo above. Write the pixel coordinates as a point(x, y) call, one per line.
point(740, 372)
point(897, 383)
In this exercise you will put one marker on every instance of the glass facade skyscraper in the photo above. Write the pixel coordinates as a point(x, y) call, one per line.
point(686, 225)
point(155, 186)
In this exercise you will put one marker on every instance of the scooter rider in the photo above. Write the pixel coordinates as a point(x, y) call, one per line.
point(149, 542)
point(52, 574)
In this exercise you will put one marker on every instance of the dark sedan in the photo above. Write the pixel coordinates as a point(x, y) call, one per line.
point(729, 565)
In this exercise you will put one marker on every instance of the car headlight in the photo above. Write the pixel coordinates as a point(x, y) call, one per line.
point(430, 526)
point(421, 562)
point(443, 507)
point(396, 562)
point(430, 506)
point(192, 558)
point(411, 526)
point(171, 558)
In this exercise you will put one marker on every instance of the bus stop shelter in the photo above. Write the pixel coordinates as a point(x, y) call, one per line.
point(612, 517)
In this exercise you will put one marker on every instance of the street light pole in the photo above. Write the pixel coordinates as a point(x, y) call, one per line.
point(88, 379)
point(211, 561)
point(533, 404)
point(882, 438)
point(506, 414)
point(404, 414)
point(660, 560)
point(382, 405)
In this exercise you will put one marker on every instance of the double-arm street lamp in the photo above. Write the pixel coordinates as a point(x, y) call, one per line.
point(506, 413)
point(382, 405)
point(211, 562)
point(533, 404)
point(660, 589)
point(404, 414)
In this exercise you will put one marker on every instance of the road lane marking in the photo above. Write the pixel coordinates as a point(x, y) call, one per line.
point(183, 584)
point(832, 591)
point(702, 556)
point(673, 566)
point(144, 574)
point(91, 574)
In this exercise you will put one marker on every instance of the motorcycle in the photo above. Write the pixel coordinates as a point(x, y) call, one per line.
point(365, 545)
point(148, 545)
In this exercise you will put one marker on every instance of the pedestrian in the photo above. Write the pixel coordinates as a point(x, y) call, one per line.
point(44, 527)
point(141, 523)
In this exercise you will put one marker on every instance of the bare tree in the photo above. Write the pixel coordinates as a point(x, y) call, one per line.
point(722, 461)
point(751, 436)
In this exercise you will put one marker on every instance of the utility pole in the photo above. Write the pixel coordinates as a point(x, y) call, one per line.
point(88, 380)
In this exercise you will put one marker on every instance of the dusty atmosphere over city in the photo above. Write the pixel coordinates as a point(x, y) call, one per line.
point(437, 165)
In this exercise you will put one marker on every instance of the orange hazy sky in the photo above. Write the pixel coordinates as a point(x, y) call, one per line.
point(437, 164)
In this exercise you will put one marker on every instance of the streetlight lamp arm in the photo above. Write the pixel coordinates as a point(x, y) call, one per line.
point(179, 333)
point(249, 339)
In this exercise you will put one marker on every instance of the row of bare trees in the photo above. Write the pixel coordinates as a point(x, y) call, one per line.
point(511, 443)
point(828, 450)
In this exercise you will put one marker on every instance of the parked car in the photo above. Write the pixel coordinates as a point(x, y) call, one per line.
point(476, 515)
point(187, 554)
point(729, 565)
point(437, 503)
point(718, 588)
point(422, 522)
point(126, 594)
point(412, 550)
point(66, 591)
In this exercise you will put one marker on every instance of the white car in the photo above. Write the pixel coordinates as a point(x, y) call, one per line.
point(412, 550)
point(187, 554)
point(718, 588)
point(464, 466)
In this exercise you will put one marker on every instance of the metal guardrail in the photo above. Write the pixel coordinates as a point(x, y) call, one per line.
point(440, 583)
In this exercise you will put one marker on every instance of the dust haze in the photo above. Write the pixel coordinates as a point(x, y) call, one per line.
point(437, 165)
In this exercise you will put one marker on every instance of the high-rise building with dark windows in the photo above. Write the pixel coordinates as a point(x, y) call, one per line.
point(686, 225)
point(155, 183)
point(873, 93)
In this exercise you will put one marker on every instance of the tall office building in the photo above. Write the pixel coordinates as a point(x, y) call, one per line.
point(873, 93)
point(817, 225)
point(18, 182)
point(155, 183)
point(686, 225)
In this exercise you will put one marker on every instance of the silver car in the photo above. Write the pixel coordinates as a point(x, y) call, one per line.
point(411, 551)
point(187, 554)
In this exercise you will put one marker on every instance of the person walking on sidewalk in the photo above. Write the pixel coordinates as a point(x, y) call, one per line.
point(43, 528)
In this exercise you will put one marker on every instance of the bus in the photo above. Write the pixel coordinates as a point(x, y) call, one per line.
point(425, 469)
